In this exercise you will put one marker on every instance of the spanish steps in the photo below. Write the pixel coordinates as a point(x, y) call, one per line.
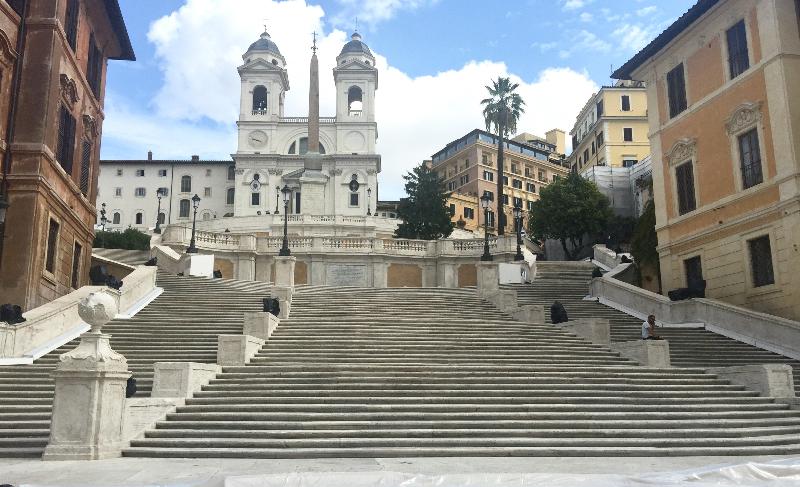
point(404, 372)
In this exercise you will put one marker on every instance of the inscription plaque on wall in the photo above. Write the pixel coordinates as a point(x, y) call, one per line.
point(347, 275)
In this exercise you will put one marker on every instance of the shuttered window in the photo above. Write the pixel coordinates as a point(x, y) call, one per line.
point(94, 67)
point(676, 90)
point(684, 177)
point(738, 57)
point(750, 159)
point(626, 103)
point(76, 265)
point(52, 247)
point(71, 24)
point(66, 139)
point(86, 164)
point(761, 261)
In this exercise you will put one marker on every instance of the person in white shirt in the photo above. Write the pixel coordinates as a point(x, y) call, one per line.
point(649, 329)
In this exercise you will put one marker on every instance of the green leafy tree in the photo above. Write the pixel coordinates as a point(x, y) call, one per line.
point(130, 239)
point(568, 210)
point(620, 230)
point(424, 212)
point(645, 240)
point(501, 111)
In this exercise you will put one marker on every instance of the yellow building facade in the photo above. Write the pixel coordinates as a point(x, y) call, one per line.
point(612, 128)
point(723, 91)
point(468, 168)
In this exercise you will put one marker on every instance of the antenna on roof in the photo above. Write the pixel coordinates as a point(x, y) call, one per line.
point(356, 25)
point(611, 72)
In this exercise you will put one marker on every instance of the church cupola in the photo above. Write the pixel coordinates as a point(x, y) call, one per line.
point(355, 50)
point(265, 48)
point(264, 81)
point(356, 81)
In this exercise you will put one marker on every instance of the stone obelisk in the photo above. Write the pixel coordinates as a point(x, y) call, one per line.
point(312, 183)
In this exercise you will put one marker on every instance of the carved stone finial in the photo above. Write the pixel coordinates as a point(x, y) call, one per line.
point(97, 309)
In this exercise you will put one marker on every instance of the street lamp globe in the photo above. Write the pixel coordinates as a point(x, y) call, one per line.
point(286, 192)
point(486, 202)
point(517, 212)
point(195, 201)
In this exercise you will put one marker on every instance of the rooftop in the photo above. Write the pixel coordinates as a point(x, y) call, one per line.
point(479, 135)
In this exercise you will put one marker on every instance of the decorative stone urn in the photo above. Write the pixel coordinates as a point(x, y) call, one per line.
point(89, 402)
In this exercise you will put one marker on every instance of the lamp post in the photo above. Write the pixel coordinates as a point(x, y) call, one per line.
point(159, 194)
point(518, 222)
point(195, 204)
point(486, 201)
point(369, 196)
point(277, 196)
point(285, 247)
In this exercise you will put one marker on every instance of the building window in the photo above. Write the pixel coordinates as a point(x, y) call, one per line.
point(164, 191)
point(207, 192)
point(694, 273)
point(186, 184)
point(118, 192)
point(517, 201)
point(542, 176)
point(761, 261)
point(140, 192)
point(66, 139)
point(599, 107)
point(52, 247)
point(259, 100)
point(530, 205)
point(586, 156)
point(76, 265)
point(488, 175)
point(516, 183)
point(162, 173)
point(140, 172)
point(452, 209)
point(116, 219)
point(119, 172)
point(593, 150)
point(71, 24)
point(626, 103)
point(230, 195)
point(505, 199)
point(629, 162)
point(469, 213)
point(556, 177)
point(738, 57)
point(676, 90)
point(255, 199)
point(530, 187)
point(490, 219)
point(208, 172)
point(466, 163)
point(599, 140)
point(353, 199)
point(514, 168)
point(627, 134)
point(527, 172)
point(183, 208)
point(139, 218)
point(231, 173)
point(94, 67)
point(505, 180)
point(463, 180)
point(750, 159)
point(86, 165)
point(684, 180)
point(484, 159)
point(451, 186)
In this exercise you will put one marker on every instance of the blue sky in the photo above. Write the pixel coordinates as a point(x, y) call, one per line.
point(181, 96)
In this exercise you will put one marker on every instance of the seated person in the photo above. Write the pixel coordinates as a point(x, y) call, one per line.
point(649, 329)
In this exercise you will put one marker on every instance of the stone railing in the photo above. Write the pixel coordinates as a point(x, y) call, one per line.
point(766, 331)
point(57, 322)
point(606, 257)
point(179, 237)
point(272, 223)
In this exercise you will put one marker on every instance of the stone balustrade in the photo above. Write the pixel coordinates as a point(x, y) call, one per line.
point(298, 224)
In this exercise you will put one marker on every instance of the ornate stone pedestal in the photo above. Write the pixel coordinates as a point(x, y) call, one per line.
point(284, 270)
point(89, 404)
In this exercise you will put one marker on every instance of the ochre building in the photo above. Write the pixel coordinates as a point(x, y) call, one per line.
point(723, 89)
point(53, 72)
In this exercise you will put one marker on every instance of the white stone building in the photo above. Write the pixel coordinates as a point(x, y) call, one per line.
point(128, 188)
point(276, 151)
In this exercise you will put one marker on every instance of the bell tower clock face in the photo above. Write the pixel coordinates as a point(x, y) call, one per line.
point(257, 139)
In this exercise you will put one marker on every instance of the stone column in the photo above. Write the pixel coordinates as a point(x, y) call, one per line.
point(284, 271)
point(90, 381)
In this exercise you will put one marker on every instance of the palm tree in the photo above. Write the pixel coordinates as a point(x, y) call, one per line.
point(501, 112)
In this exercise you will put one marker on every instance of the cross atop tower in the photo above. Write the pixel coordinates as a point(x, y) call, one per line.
point(356, 25)
point(314, 45)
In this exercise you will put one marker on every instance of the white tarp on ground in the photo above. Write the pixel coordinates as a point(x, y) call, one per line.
point(779, 473)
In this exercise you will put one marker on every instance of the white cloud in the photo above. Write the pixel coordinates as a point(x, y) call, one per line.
point(634, 37)
point(585, 17)
point(590, 41)
point(576, 4)
point(545, 46)
point(374, 11)
point(645, 11)
point(197, 106)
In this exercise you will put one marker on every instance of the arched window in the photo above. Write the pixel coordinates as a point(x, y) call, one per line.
point(354, 101)
point(116, 218)
point(303, 142)
point(186, 184)
point(139, 218)
point(230, 196)
point(206, 215)
point(184, 209)
point(231, 173)
point(162, 218)
point(259, 100)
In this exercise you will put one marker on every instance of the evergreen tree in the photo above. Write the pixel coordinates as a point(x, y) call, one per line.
point(424, 212)
point(569, 210)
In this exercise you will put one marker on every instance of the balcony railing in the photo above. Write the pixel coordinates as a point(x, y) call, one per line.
point(304, 120)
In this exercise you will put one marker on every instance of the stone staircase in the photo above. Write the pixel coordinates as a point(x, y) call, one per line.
point(413, 372)
point(180, 325)
point(130, 257)
point(568, 282)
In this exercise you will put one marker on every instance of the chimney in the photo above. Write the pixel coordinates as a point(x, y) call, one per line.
point(195, 158)
point(149, 155)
